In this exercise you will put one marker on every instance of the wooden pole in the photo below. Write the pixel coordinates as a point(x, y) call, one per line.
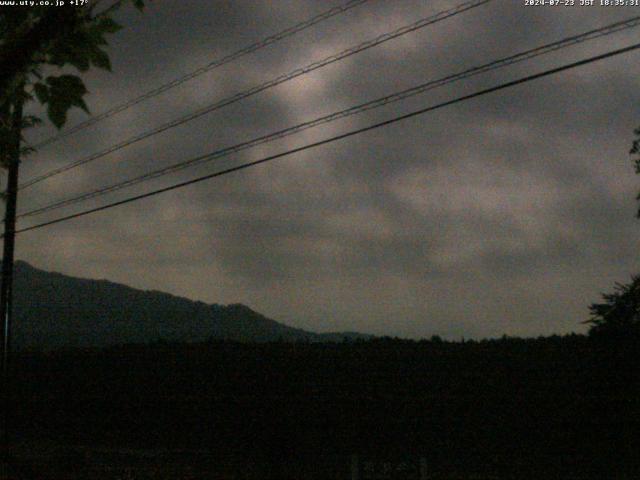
point(14, 127)
point(6, 279)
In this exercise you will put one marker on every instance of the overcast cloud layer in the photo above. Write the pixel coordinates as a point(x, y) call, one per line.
point(509, 213)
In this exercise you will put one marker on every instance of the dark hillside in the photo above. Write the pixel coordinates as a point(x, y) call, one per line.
point(54, 310)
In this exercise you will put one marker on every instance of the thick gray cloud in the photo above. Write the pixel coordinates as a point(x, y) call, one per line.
point(508, 213)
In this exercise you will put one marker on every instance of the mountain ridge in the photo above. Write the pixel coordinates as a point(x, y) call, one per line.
point(53, 310)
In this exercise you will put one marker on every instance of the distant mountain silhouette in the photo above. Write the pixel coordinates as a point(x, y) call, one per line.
point(53, 310)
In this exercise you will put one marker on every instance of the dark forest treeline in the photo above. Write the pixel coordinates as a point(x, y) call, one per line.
point(516, 408)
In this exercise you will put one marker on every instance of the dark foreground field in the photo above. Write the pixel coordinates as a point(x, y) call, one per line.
point(560, 407)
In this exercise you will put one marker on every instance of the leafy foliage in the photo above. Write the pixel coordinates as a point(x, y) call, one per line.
point(60, 94)
point(635, 150)
point(35, 37)
point(619, 316)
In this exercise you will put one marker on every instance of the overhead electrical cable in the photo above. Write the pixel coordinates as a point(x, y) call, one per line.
point(500, 63)
point(351, 133)
point(262, 87)
point(287, 32)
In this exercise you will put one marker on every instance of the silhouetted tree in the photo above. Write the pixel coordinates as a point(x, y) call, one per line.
point(635, 150)
point(33, 37)
point(619, 316)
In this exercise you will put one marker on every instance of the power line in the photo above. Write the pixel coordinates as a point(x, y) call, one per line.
point(257, 89)
point(351, 133)
point(424, 22)
point(287, 32)
point(519, 57)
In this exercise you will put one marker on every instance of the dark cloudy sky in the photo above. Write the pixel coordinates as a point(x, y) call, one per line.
point(509, 213)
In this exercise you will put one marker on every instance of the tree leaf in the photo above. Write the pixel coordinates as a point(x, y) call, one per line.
point(108, 25)
point(80, 103)
point(42, 92)
point(66, 84)
point(139, 4)
point(100, 59)
point(57, 113)
point(65, 91)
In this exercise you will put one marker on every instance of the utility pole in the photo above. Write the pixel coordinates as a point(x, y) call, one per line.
point(13, 162)
point(13, 125)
